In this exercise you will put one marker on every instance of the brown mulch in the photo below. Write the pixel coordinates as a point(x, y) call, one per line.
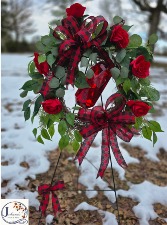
point(69, 198)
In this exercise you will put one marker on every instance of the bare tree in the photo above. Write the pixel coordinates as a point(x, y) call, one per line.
point(20, 18)
point(155, 10)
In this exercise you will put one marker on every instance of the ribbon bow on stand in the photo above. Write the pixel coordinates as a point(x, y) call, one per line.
point(45, 191)
point(113, 122)
point(77, 38)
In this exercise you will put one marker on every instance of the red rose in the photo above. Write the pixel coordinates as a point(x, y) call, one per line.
point(43, 67)
point(140, 67)
point(138, 108)
point(76, 10)
point(119, 36)
point(52, 106)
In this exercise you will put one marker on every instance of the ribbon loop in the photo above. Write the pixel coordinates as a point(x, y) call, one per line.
point(76, 39)
point(45, 191)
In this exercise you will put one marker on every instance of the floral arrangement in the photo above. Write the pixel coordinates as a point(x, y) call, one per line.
point(87, 43)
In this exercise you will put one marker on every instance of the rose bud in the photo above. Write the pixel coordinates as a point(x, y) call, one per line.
point(138, 108)
point(119, 37)
point(52, 106)
point(140, 67)
point(75, 10)
point(43, 67)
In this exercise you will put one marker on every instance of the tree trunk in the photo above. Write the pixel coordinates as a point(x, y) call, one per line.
point(154, 19)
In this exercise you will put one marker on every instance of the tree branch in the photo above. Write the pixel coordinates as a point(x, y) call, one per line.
point(144, 7)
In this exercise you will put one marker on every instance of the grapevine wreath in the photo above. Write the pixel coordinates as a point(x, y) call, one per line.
point(87, 43)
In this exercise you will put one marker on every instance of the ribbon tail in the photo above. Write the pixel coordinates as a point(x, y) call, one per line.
point(55, 204)
point(74, 60)
point(44, 203)
point(105, 155)
point(116, 151)
point(84, 148)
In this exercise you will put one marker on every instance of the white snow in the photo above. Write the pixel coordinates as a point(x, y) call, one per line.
point(146, 194)
point(106, 216)
point(19, 145)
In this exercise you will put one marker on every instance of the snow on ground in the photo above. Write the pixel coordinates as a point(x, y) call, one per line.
point(19, 145)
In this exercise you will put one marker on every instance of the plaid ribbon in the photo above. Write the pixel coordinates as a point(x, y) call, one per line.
point(45, 86)
point(45, 191)
point(113, 122)
point(76, 39)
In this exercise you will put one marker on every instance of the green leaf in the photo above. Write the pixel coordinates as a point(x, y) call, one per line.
point(119, 80)
point(30, 85)
point(135, 41)
point(36, 76)
point(51, 130)
point(39, 139)
point(37, 86)
point(93, 57)
point(61, 35)
point(126, 85)
point(80, 81)
point(120, 55)
point(45, 134)
point(35, 132)
point(143, 51)
point(62, 127)
point(64, 141)
point(60, 93)
point(37, 105)
point(50, 59)
point(88, 52)
point(89, 73)
point(124, 72)
point(126, 61)
point(153, 39)
point(98, 28)
point(41, 58)
point(55, 51)
point(117, 19)
point(75, 145)
point(78, 136)
point(135, 85)
point(154, 138)
point(70, 117)
point(47, 40)
point(50, 122)
point(76, 107)
point(60, 72)
point(152, 94)
point(23, 94)
point(27, 113)
point(26, 104)
point(31, 67)
point(84, 62)
point(40, 46)
point(138, 122)
point(126, 27)
point(115, 72)
point(145, 81)
point(147, 132)
point(154, 126)
point(54, 83)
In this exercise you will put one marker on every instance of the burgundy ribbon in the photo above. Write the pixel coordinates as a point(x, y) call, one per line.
point(113, 122)
point(76, 39)
point(45, 191)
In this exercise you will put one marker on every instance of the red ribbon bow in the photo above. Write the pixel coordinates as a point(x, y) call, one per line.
point(113, 122)
point(45, 191)
point(76, 39)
